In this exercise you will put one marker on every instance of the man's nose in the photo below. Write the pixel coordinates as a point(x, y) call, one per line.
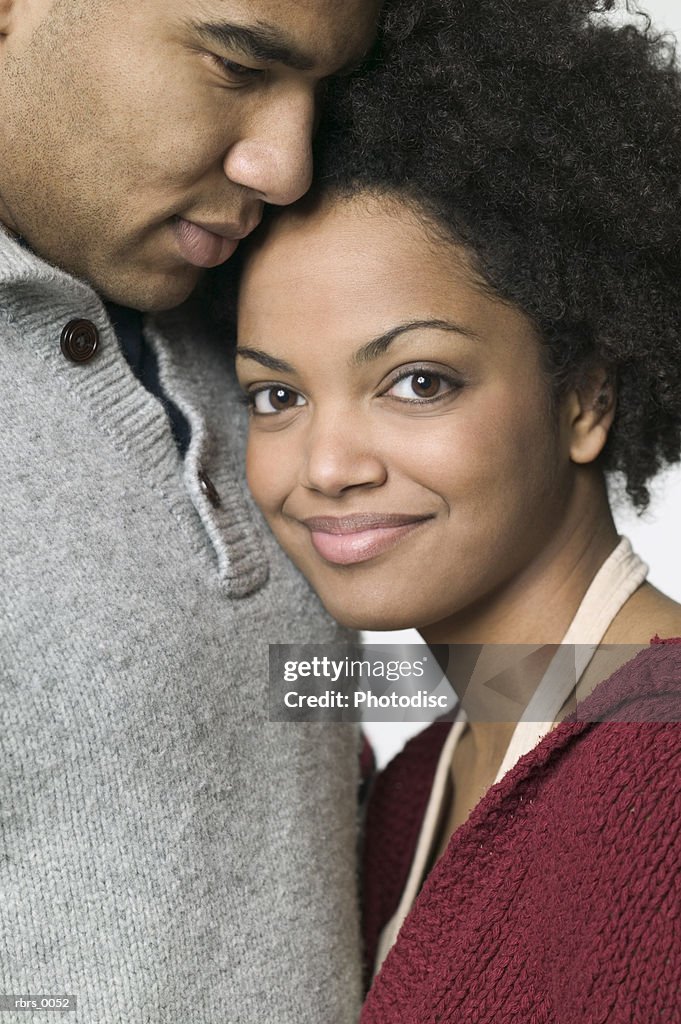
point(273, 158)
point(340, 456)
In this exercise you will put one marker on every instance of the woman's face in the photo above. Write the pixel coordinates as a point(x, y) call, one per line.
point(402, 445)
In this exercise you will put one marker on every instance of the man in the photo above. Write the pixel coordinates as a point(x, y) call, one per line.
point(169, 855)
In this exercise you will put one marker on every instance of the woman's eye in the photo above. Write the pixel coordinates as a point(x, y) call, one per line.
point(420, 385)
point(275, 399)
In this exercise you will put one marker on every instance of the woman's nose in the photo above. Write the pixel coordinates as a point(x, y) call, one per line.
point(340, 456)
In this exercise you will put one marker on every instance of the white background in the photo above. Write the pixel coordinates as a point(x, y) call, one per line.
point(655, 535)
point(664, 13)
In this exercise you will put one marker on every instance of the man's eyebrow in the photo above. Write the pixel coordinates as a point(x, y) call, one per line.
point(379, 345)
point(263, 43)
point(278, 365)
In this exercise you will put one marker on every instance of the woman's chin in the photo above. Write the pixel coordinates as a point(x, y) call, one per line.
point(368, 618)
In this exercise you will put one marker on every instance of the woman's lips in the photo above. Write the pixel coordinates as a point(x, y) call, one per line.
point(201, 247)
point(346, 540)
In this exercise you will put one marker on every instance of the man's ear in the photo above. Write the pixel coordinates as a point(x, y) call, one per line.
point(590, 409)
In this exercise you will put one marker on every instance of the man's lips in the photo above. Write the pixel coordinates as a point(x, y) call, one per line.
point(345, 540)
point(204, 246)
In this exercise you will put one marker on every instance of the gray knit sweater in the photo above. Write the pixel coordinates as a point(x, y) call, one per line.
point(167, 854)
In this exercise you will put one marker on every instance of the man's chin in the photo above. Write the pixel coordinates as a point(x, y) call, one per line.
point(150, 292)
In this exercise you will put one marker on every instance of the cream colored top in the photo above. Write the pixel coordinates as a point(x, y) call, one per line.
point(621, 574)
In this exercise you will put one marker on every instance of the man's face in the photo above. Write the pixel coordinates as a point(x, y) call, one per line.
point(139, 141)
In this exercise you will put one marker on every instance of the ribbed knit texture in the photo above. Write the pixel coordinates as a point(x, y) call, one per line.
point(167, 855)
point(559, 900)
point(399, 798)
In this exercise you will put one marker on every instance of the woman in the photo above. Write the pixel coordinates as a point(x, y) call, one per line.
point(445, 349)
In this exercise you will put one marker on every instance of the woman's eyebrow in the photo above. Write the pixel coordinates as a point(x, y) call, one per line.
point(379, 345)
point(271, 362)
point(371, 350)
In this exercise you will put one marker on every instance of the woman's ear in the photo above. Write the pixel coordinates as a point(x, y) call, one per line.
point(590, 410)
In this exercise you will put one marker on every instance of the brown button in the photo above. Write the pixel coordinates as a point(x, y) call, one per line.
point(208, 488)
point(79, 340)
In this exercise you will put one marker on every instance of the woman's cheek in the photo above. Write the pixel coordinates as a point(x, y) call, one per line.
point(264, 471)
point(449, 454)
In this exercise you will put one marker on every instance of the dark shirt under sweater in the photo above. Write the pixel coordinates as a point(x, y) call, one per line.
point(144, 364)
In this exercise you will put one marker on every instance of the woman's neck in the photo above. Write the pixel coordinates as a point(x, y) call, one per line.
point(537, 604)
point(511, 637)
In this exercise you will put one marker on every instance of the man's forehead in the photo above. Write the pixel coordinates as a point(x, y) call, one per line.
point(314, 35)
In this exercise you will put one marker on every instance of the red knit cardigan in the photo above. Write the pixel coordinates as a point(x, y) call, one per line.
point(559, 900)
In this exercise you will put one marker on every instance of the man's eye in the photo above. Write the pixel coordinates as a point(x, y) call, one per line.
point(274, 399)
point(421, 385)
point(239, 73)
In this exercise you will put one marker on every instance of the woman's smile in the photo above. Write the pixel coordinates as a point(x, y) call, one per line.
point(359, 537)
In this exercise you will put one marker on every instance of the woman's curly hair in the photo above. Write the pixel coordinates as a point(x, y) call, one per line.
point(548, 141)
